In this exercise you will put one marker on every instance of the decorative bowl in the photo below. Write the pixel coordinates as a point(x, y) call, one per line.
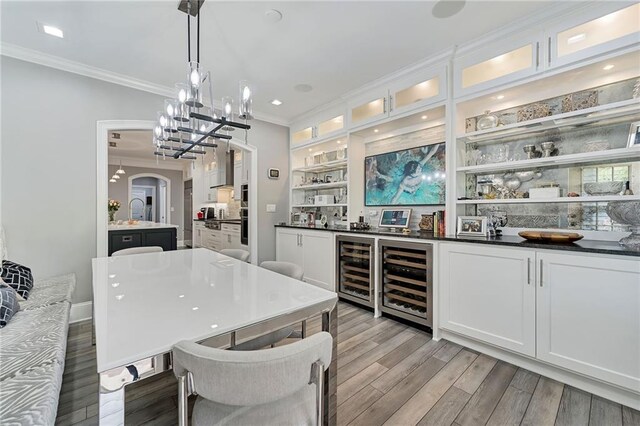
point(604, 188)
point(627, 213)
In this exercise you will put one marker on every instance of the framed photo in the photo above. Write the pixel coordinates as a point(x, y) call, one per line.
point(409, 177)
point(472, 226)
point(634, 135)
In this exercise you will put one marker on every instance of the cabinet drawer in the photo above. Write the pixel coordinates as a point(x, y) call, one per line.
point(230, 228)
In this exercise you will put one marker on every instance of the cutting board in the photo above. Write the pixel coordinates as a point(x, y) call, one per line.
point(551, 237)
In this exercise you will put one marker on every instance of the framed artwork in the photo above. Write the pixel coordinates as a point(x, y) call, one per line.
point(634, 135)
point(409, 177)
point(472, 226)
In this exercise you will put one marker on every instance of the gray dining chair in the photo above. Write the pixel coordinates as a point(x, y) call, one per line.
point(280, 386)
point(137, 250)
point(285, 268)
point(239, 254)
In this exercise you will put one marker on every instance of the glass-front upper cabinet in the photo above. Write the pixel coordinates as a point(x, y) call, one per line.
point(588, 35)
point(369, 107)
point(514, 60)
point(417, 89)
point(325, 124)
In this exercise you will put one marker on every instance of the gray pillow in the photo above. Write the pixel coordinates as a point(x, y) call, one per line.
point(8, 304)
point(17, 276)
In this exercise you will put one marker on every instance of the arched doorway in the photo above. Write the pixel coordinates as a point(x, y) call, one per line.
point(154, 194)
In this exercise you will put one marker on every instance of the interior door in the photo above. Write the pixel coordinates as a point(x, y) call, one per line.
point(162, 202)
point(138, 203)
point(188, 213)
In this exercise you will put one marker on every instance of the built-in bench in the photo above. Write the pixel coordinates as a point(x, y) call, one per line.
point(32, 354)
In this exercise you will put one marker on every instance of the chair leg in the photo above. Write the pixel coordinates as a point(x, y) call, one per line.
point(183, 404)
point(317, 377)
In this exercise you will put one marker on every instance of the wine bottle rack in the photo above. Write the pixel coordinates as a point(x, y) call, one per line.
point(406, 274)
point(355, 269)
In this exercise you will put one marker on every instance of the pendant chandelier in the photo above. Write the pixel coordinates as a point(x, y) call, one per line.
point(188, 124)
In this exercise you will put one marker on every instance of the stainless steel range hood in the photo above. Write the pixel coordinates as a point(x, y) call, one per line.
point(228, 172)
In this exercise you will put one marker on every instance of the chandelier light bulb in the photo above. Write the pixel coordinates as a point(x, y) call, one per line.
point(246, 93)
point(168, 107)
point(181, 93)
point(195, 78)
point(246, 100)
point(157, 131)
point(227, 107)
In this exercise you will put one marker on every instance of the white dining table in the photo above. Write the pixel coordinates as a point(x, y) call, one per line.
point(146, 303)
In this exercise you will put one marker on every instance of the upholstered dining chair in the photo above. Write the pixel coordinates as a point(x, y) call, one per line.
point(280, 386)
point(241, 255)
point(137, 250)
point(293, 271)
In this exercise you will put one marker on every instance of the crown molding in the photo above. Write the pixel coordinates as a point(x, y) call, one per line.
point(52, 61)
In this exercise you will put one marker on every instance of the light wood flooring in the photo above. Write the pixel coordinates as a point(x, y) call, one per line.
point(388, 373)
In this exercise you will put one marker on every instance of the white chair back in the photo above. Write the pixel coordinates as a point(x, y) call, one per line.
point(241, 255)
point(285, 268)
point(136, 250)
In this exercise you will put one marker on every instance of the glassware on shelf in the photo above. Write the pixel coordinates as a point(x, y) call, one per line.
point(487, 121)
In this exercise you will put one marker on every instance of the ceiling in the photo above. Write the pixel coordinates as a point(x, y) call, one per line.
point(132, 144)
point(335, 47)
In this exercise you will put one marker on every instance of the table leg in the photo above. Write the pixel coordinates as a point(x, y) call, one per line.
point(110, 404)
point(330, 325)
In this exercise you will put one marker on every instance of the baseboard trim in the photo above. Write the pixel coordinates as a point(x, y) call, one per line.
point(81, 312)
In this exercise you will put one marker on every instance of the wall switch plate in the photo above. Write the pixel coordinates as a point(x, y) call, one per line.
point(271, 208)
point(173, 209)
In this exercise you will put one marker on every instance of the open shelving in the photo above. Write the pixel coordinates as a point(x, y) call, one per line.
point(585, 199)
point(321, 186)
point(324, 167)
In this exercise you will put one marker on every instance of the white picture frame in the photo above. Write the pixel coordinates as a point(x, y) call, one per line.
point(472, 226)
point(634, 135)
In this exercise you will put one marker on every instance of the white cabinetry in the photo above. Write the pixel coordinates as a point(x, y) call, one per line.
point(409, 92)
point(311, 250)
point(237, 175)
point(589, 316)
point(579, 312)
point(198, 227)
point(230, 236)
point(489, 294)
point(322, 125)
point(212, 239)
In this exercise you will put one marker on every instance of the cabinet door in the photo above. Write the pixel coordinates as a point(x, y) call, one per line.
point(165, 238)
point(488, 294)
point(417, 90)
point(589, 316)
point(303, 135)
point(319, 260)
point(331, 126)
point(288, 246)
point(369, 108)
point(237, 180)
point(601, 31)
point(486, 69)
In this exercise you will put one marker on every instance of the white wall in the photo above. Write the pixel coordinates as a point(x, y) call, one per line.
point(49, 164)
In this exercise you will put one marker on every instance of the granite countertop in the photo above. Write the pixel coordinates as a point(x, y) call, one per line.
point(141, 225)
point(588, 246)
point(219, 220)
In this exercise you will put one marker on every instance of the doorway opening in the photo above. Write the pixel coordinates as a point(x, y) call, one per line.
point(149, 197)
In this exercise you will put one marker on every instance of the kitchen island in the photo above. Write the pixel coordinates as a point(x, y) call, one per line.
point(142, 234)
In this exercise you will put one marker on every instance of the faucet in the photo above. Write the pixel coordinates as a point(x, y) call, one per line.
point(144, 207)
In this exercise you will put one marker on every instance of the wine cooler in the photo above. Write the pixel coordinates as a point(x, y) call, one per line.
point(355, 269)
point(406, 273)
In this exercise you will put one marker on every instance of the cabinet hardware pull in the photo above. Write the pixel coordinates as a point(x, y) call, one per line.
point(549, 51)
point(127, 239)
point(540, 272)
point(384, 105)
point(537, 55)
point(528, 271)
point(301, 240)
point(390, 103)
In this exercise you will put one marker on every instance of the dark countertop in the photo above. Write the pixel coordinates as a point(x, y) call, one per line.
point(235, 221)
point(587, 246)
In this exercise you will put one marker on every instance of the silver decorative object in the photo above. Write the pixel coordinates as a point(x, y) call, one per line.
point(604, 188)
point(531, 151)
point(487, 121)
point(549, 149)
point(627, 213)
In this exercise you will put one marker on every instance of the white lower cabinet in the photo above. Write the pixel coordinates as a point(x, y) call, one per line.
point(311, 250)
point(230, 238)
point(489, 294)
point(589, 316)
point(580, 312)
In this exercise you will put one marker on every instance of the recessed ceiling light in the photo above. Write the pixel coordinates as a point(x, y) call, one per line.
point(51, 30)
point(375, 130)
point(424, 117)
point(310, 149)
point(276, 102)
point(273, 16)
point(338, 141)
point(447, 8)
point(576, 38)
point(195, 308)
point(500, 97)
point(304, 88)
point(608, 67)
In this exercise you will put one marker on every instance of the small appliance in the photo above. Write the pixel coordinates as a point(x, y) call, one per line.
point(208, 212)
